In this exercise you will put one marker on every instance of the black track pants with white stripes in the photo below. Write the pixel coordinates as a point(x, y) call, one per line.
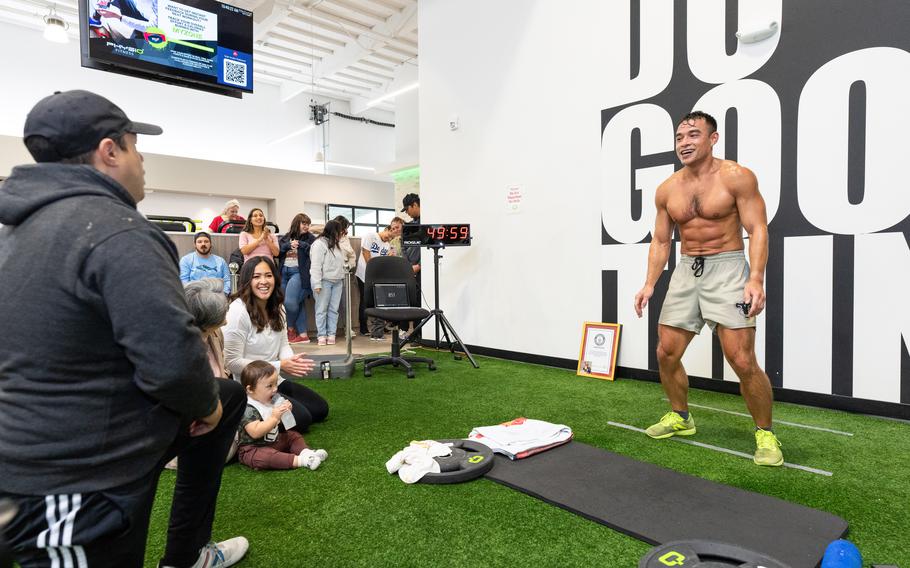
point(109, 528)
point(103, 528)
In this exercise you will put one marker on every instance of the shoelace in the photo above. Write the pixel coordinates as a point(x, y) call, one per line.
point(216, 557)
point(768, 440)
point(668, 418)
point(699, 266)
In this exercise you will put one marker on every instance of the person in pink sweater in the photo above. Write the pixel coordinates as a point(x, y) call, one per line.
point(256, 239)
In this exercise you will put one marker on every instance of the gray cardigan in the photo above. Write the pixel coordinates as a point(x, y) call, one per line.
point(325, 263)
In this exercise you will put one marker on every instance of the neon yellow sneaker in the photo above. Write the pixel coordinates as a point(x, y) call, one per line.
point(768, 451)
point(672, 424)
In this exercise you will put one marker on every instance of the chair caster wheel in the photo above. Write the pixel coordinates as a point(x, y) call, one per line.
point(432, 367)
point(367, 373)
point(395, 365)
point(410, 374)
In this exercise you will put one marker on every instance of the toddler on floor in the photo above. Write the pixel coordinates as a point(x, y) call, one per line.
point(266, 438)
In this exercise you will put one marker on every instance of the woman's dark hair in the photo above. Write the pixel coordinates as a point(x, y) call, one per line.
point(255, 372)
point(331, 233)
point(343, 221)
point(294, 231)
point(272, 316)
point(248, 226)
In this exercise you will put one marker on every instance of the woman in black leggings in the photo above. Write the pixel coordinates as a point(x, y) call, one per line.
point(256, 330)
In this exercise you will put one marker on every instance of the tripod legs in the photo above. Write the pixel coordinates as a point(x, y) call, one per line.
point(446, 325)
point(446, 328)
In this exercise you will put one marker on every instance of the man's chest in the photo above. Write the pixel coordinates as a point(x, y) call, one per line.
point(703, 201)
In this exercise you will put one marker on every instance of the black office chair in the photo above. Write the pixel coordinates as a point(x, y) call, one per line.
point(231, 227)
point(172, 223)
point(393, 270)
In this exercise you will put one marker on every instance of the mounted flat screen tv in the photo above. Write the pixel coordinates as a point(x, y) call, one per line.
point(200, 44)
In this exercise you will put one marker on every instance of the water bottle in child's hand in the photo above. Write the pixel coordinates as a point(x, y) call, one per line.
point(287, 419)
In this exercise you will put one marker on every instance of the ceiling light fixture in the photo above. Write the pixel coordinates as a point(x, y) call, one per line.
point(55, 27)
point(292, 135)
point(391, 95)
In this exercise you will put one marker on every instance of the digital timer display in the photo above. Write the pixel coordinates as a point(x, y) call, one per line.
point(436, 235)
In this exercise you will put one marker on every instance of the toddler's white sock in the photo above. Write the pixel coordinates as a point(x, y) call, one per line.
point(308, 459)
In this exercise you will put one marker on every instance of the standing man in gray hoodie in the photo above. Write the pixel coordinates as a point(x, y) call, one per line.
point(103, 377)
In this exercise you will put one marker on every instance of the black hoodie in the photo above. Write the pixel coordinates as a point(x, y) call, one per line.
point(100, 364)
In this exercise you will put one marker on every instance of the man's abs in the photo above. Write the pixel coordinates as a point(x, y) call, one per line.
point(702, 237)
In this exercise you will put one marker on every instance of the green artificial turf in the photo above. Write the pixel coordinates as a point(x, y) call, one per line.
point(351, 512)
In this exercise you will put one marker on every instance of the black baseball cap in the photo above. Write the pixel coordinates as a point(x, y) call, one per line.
point(409, 200)
point(74, 122)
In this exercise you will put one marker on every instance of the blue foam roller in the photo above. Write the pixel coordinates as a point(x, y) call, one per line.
point(842, 554)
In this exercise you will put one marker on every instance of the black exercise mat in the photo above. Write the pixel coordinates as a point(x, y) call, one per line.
point(658, 505)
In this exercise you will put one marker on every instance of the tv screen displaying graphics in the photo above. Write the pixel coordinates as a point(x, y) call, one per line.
point(201, 44)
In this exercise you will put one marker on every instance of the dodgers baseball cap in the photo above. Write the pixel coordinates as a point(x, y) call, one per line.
point(409, 200)
point(74, 122)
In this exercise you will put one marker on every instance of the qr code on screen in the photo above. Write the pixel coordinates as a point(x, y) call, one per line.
point(235, 72)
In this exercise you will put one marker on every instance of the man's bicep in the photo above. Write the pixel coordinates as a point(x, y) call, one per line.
point(749, 202)
point(663, 226)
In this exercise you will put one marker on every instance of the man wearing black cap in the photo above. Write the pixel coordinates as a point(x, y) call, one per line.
point(411, 203)
point(103, 377)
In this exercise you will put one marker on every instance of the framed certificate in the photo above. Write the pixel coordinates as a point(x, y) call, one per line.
point(599, 347)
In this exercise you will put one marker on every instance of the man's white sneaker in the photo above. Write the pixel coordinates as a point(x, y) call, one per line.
point(222, 554)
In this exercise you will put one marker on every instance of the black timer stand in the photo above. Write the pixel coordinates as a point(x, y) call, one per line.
point(442, 323)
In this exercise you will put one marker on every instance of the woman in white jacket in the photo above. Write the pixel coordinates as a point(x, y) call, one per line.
point(327, 280)
point(256, 330)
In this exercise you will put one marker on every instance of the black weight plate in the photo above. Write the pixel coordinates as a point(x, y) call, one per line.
point(469, 460)
point(705, 554)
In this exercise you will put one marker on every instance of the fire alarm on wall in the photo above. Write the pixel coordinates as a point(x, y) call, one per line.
point(453, 123)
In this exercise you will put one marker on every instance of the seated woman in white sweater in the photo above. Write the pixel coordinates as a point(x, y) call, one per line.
point(256, 329)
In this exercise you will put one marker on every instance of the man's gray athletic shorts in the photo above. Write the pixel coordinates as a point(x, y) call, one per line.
point(706, 289)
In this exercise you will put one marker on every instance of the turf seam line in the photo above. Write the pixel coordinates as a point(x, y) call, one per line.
point(776, 421)
point(725, 450)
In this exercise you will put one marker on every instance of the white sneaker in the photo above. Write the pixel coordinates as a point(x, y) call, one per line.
point(322, 454)
point(308, 459)
point(222, 554)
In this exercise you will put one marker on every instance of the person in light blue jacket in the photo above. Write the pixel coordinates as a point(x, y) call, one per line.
point(201, 263)
point(327, 279)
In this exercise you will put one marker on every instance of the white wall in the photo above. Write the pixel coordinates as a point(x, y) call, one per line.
point(407, 134)
point(527, 98)
point(196, 124)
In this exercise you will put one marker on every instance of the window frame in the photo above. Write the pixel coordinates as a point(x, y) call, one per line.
point(364, 228)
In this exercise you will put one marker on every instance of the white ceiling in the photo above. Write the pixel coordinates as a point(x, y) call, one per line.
point(343, 49)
